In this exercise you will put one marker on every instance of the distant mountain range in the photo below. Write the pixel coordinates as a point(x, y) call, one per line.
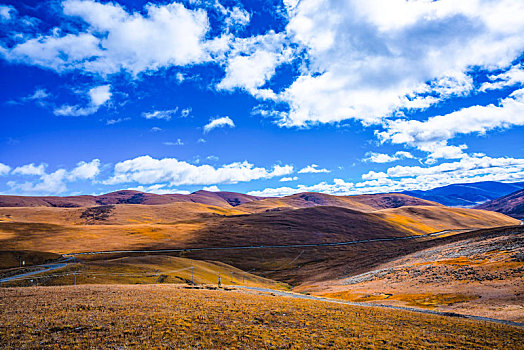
point(511, 205)
point(467, 194)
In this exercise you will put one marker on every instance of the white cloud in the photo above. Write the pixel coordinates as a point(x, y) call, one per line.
point(84, 170)
point(288, 179)
point(218, 123)
point(6, 12)
point(178, 142)
point(386, 158)
point(49, 183)
point(252, 62)
point(186, 112)
point(431, 135)
point(146, 170)
point(401, 178)
point(4, 169)
point(513, 76)
point(165, 114)
point(55, 182)
point(211, 188)
point(312, 169)
point(158, 189)
point(370, 58)
point(98, 96)
point(160, 36)
point(30, 169)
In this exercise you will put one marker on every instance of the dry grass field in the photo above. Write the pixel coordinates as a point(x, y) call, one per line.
point(166, 316)
point(147, 269)
point(481, 274)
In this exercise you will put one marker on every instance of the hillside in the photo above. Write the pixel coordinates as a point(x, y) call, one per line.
point(364, 203)
point(511, 205)
point(467, 194)
point(479, 273)
point(222, 199)
point(423, 219)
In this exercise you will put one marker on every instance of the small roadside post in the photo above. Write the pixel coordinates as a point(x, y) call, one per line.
point(192, 275)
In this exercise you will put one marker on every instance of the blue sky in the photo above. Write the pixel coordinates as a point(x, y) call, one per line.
point(261, 97)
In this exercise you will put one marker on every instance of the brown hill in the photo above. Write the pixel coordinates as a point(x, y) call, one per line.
point(479, 272)
point(222, 199)
point(366, 203)
point(511, 205)
point(426, 219)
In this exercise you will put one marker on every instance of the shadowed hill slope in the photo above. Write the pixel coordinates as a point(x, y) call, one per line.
point(511, 205)
point(365, 203)
point(300, 226)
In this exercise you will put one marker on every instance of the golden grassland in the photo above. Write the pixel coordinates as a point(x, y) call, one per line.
point(426, 219)
point(421, 300)
point(481, 275)
point(146, 270)
point(166, 316)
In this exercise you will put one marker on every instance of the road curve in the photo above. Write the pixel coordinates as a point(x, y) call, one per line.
point(335, 301)
point(48, 267)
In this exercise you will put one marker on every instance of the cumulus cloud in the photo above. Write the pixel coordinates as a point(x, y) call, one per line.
point(30, 169)
point(514, 76)
point(163, 114)
point(368, 59)
point(115, 40)
point(431, 135)
point(85, 171)
point(6, 12)
point(312, 169)
point(55, 182)
point(146, 170)
point(4, 169)
point(400, 178)
point(253, 61)
point(98, 96)
point(211, 188)
point(288, 179)
point(218, 123)
point(386, 158)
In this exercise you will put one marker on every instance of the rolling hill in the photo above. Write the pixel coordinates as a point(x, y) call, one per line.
point(240, 220)
point(479, 272)
point(511, 205)
point(467, 194)
point(222, 199)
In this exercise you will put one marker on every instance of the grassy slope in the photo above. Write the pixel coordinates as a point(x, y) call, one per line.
point(147, 269)
point(425, 219)
point(479, 272)
point(365, 203)
point(169, 317)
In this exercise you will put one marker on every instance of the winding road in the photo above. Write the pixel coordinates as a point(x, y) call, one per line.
point(335, 301)
point(47, 267)
point(70, 256)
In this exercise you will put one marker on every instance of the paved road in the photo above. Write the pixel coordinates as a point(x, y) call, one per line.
point(263, 246)
point(311, 297)
point(47, 267)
